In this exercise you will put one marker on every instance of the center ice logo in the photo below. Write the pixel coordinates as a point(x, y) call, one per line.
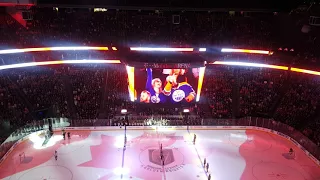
point(173, 160)
point(154, 156)
point(178, 95)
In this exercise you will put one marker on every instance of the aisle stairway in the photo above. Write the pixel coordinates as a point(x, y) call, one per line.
point(102, 111)
point(69, 94)
point(279, 98)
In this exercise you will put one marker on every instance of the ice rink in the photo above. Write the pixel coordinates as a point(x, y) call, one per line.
point(91, 155)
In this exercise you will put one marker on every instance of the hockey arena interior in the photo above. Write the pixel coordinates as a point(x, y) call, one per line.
point(169, 90)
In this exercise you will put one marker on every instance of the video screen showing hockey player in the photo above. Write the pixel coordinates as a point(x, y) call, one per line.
point(167, 85)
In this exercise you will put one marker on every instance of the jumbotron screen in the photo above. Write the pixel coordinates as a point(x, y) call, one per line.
point(159, 86)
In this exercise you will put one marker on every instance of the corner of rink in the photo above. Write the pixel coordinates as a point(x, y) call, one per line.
point(267, 157)
point(30, 153)
point(135, 153)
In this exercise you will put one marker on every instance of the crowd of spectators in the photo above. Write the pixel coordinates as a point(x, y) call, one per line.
point(258, 90)
point(87, 91)
point(300, 104)
point(217, 90)
point(291, 98)
point(10, 105)
point(116, 91)
point(42, 87)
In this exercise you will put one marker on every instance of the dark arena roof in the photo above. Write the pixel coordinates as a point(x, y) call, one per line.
point(254, 5)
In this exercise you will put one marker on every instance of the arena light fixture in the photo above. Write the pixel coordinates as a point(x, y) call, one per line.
point(44, 63)
point(250, 65)
point(245, 51)
point(66, 48)
point(305, 71)
point(114, 48)
point(200, 82)
point(130, 73)
point(161, 49)
point(202, 49)
point(124, 111)
point(186, 110)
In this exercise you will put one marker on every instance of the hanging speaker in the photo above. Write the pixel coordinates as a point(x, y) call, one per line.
point(176, 19)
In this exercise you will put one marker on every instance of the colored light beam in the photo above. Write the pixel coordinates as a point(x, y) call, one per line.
point(305, 71)
point(200, 82)
point(245, 51)
point(161, 49)
point(130, 73)
point(44, 63)
point(250, 65)
point(68, 48)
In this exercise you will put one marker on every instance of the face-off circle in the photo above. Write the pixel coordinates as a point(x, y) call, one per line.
point(48, 173)
point(273, 170)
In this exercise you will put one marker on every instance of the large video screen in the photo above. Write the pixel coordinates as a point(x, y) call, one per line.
point(159, 86)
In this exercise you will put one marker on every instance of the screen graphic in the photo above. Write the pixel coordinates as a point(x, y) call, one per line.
point(156, 86)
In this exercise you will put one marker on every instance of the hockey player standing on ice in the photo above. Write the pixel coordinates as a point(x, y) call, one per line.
point(194, 138)
point(178, 92)
point(64, 135)
point(56, 155)
point(69, 135)
point(207, 167)
point(290, 151)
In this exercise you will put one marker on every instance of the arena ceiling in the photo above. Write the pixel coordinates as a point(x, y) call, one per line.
point(187, 4)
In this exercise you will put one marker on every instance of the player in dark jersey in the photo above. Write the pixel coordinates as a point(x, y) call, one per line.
point(179, 92)
point(291, 151)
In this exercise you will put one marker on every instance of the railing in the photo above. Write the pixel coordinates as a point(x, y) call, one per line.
point(28, 129)
point(310, 146)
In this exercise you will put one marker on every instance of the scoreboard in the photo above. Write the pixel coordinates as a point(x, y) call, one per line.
point(166, 65)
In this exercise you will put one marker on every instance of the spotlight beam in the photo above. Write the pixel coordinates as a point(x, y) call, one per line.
point(67, 48)
point(161, 49)
point(250, 64)
point(245, 51)
point(44, 63)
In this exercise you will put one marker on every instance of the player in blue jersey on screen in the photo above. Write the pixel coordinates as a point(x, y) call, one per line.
point(153, 89)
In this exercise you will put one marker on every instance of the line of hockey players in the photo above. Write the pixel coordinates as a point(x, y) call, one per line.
point(64, 137)
point(206, 167)
point(161, 155)
point(64, 134)
point(205, 163)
